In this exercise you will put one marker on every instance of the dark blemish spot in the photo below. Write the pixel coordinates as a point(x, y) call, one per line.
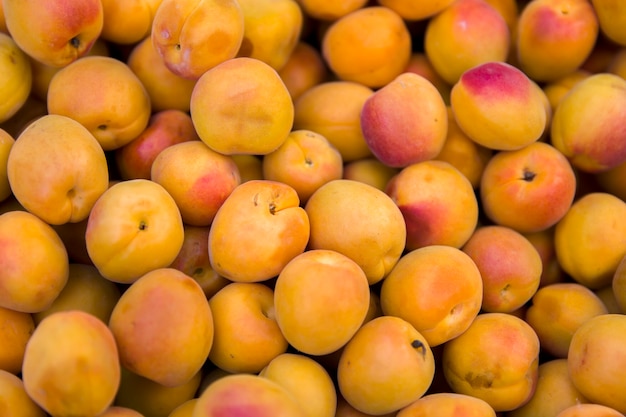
point(418, 345)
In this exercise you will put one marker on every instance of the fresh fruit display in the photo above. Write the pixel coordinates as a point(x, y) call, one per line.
point(312, 208)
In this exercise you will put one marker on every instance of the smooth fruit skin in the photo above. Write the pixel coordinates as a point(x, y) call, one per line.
point(437, 202)
point(14, 400)
point(463, 35)
point(555, 37)
point(558, 310)
point(370, 59)
point(387, 365)
point(57, 169)
point(15, 330)
point(342, 219)
point(596, 357)
point(555, 391)
point(249, 348)
point(611, 18)
point(127, 22)
point(114, 116)
point(246, 395)
point(260, 219)
point(242, 106)
point(30, 285)
point(193, 36)
point(338, 298)
point(307, 380)
point(592, 136)
point(447, 404)
point(163, 327)
point(406, 121)
point(529, 189)
point(64, 32)
point(6, 143)
point(486, 100)
point(71, 365)
point(590, 240)
point(17, 77)
point(496, 359)
point(134, 228)
point(438, 289)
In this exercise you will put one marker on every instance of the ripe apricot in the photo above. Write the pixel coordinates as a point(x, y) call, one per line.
point(372, 57)
point(242, 106)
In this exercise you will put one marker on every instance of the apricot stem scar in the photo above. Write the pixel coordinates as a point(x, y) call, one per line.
point(143, 225)
point(417, 344)
point(528, 175)
point(272, 208)
point(75, 42)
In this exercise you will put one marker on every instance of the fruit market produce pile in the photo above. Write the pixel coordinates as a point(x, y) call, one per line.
point(312, 208)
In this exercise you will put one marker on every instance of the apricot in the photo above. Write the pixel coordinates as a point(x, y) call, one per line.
point(14, 400)
point(464, 154)
point(342, 218)
point(555, 37)
point(242, 106)
point(420, 64)
point(369, 171)
point(193, 36)
point(260, 219)
point(529, 189)
point(166, 89)
point(337, 300)
point(15, 330)
point(437, 202)
point(270, 43)
point(193, 260)
point(163, 327)
point(28, 284)
point(185, 409)
point(198, 178)
point(551, 271)
point(114, 116)
point(612, 180)
point(595, 358)
point(558, 310)
point(305, 161)
point(610, 15)
point(618, 284)
point(486, 99)
point(370, 57)
point(438, 289)
point(6, 143)
point(17, 78)
point(592, 135)
point(151, 398)
point(249, 348)
point(590, 239)
point(557, 89)
point(117, 411)
point(127, 22)
point(465, 34)
point(306, 380)
point(71, 365)
point(134, 227)
point(447, 404)
point(415, 9)
point(165, 128)
point(86, 290)
point(304, 69)
point(554, 392)
point(589, 410)
point(333, 110)
point(57, 170)
point(247, 394)
point(386, 366)
point(495, 359)
point(330, 11)
point(509, 265)
point(62, 33)
point(405, 121)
